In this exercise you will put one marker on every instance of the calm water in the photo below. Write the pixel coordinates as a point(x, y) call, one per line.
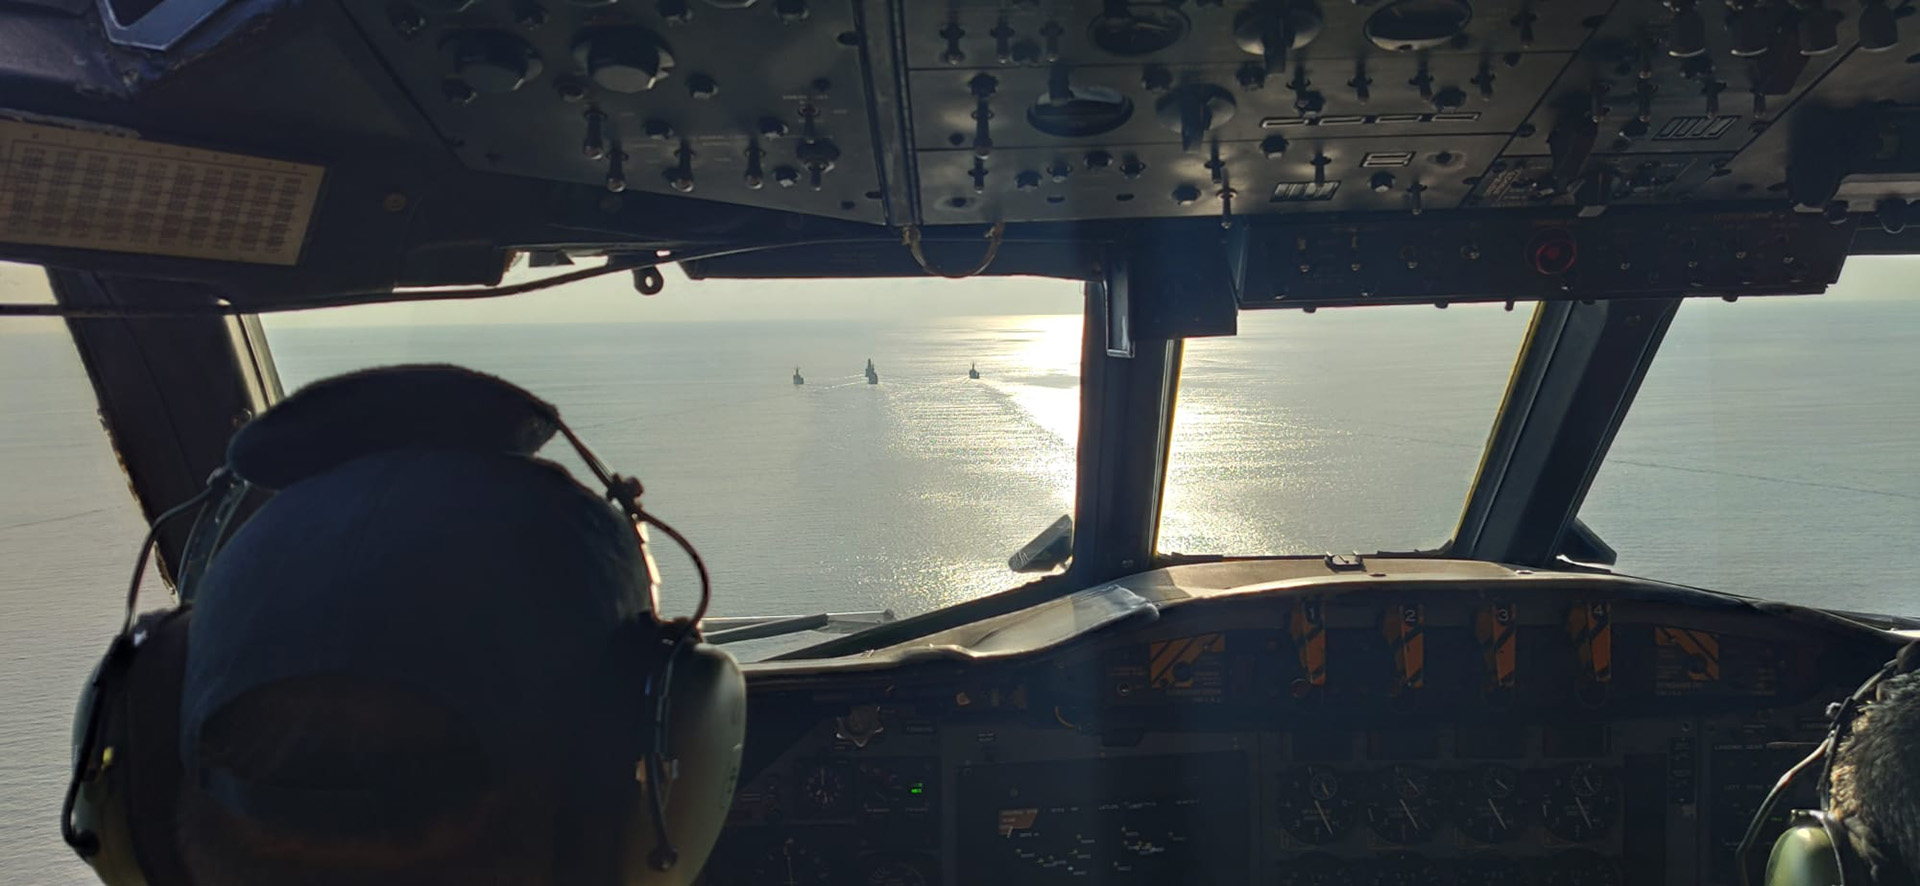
point(1771, 453)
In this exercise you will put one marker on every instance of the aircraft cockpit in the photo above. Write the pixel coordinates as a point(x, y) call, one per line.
point(1137, 698)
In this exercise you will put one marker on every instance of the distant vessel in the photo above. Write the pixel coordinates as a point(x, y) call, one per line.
point(973, 370)
point(873, 375)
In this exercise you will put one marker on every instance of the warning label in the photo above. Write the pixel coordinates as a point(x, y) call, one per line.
point(61, 187)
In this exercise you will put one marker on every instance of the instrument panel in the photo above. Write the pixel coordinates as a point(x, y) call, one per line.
point(1244, 740)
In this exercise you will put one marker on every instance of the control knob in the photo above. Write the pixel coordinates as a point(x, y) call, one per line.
point(625, 60)
point(1270, 30)
point(491, 62)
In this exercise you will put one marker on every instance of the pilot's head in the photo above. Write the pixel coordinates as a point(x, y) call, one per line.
point(398, 674)
point(1875, 788)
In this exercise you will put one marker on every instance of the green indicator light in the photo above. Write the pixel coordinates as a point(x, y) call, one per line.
point(917, 789)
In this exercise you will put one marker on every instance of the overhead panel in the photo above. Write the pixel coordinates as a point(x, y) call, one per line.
point(763, 104)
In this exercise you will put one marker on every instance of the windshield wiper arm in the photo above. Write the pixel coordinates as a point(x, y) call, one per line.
point(741, 628)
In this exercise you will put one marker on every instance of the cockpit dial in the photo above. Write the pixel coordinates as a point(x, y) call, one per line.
point(823, 790)
point(1491, 808)
point(1402, 807)
point(1581, 803)
point(1313, 806)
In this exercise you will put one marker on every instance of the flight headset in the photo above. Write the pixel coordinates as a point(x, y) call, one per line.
point(1815, 849)
point(673, 770)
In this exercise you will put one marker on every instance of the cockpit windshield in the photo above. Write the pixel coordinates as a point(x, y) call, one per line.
point(1342, 430)
point(1771, 448)
point(748, 412)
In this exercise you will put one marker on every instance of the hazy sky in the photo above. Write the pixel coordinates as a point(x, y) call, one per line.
point(612, 299)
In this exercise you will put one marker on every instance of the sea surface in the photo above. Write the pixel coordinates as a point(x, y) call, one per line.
point(1772, 452)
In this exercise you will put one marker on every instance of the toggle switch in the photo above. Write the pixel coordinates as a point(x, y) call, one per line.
point(952, 34)
point(680, 175)
point(754, 178)
point(594, 146)
point(983, 87)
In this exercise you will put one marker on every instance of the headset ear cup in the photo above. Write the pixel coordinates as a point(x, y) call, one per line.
point(128, 792)
point(706, 730)
point(1804, 855)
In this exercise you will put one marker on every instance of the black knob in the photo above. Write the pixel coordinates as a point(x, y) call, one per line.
point(1131, 167)
point(1753, 29)
point(773, 127)
point(1272, 29)
point(625, 60)
point(1058, 171)
point(1819, 31)
point(1892, 213)
point(1193, 110)
point(786, 176)
point(656, 128)
point(1026, 180)
point(1381, 182)
point(1878, 29)
point(1155, 78)
point(1097, 160)
point(492, 62)
point(701, 86)
point(1251, 76)
point(1186, 195)
point(1273, 147)
point(791, 12)
point(1689, 36)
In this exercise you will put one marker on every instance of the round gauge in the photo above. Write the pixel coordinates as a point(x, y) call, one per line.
point(790, 864)
point(1579, 867)
point(1313, 869)
point(1399, 869)
point(1490, 869)
point(823, 789)
point(1312, 807)
point(1581, 803)
point(895, 873)
point(1402, 808)
point(1490, 807)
